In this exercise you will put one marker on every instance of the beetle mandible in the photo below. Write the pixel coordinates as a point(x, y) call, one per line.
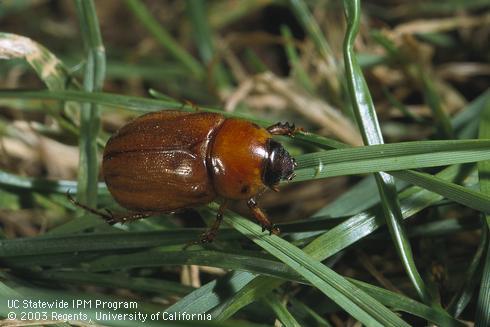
point(170, 160)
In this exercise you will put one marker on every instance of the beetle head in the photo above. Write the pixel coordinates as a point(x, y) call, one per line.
point(279, 165)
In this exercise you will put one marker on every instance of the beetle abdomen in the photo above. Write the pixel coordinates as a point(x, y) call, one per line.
point(158, 161)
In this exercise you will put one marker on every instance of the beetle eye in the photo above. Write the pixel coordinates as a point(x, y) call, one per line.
point(279, 164)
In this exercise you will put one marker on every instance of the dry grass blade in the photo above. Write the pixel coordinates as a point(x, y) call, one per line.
point(331, 121)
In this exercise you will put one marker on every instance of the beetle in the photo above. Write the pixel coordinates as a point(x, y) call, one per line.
point(169, 160)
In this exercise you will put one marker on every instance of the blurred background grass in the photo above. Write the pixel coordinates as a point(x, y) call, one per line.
point(426, 64)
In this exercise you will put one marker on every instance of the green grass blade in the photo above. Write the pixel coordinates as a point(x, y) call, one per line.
point(201, 32)
point(164, 38)
point(371, 133)
point(412, 200)
point(464, 294)
point(7, 292)
point(252, 290)
point(211, 294)
point(353, 201)
point(389, 157)
point(35, 246)
point(309, 24)
point(303, 14)
point(306, 315)
point(466, 122)
point(115, 280)
point(433, 99)
point(137, 104)
point(468, 197)
point(400, 302)
point(244, 260)
point(197, 11)
point(482, 317)
point(257, 287)
point(281, 311)
point(294, 61)
point(42, 185)
point(353, 300)
point(483, 307)
point(89, 115)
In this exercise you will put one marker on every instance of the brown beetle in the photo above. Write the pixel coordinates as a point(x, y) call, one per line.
point(170, 160)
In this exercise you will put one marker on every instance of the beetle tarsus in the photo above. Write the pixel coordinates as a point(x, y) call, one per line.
point(284, 129)
point(208, 237)
point(271, 228)
point(274, 230)
point(275, 188)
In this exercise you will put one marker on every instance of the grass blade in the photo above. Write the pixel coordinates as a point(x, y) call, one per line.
point(356, 302)
point(211, 294)
point(463, 296)
point(303, 14)
point(165, 39)
point(280, 310)
point(482, 317)
point(115, 280)
point(97, 242)
point(389, 157)
point(43, 185)
point(47, 66)
point(89, 115)
point(371, 132)
point(202, 33)
point(470, 198)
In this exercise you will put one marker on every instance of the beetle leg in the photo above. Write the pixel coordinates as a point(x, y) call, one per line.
point(194, 106)
point(210, 234)
point(283, 129)
point(126, 218)
point(262, 219)
point(106, 214)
